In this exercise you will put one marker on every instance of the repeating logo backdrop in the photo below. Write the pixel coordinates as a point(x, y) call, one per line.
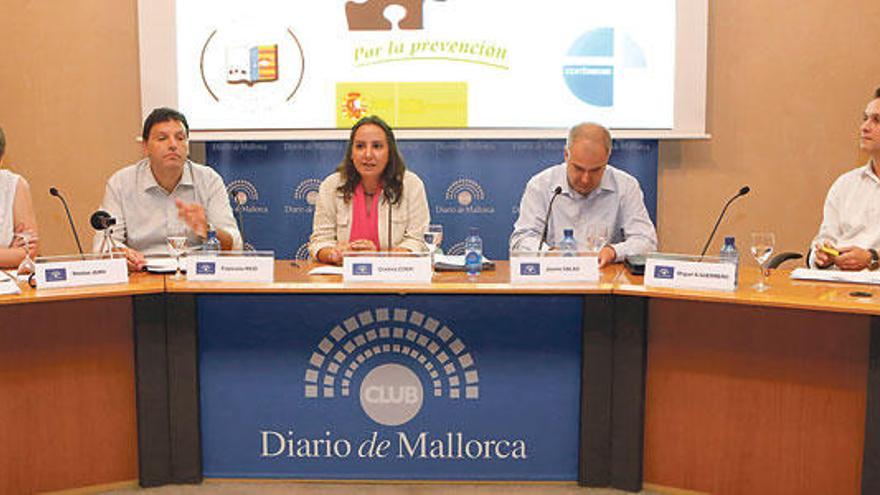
point(390, 387)
point(470, 183)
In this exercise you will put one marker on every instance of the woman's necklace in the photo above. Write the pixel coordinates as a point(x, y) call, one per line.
point(368, 201)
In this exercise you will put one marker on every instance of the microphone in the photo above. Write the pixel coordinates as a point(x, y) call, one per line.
point(55, 192)
point(556, 193)
point(239, 201)
point(101, 220)
point(742, 192)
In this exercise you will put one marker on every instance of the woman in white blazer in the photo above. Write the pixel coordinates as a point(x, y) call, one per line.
point(371, 202)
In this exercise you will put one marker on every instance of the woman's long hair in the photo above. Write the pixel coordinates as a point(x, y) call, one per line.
point(392, 176)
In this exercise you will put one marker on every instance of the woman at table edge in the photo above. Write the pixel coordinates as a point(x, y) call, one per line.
point(371, 202)
point(16, 215)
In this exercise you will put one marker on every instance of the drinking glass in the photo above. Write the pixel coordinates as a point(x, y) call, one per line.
point(433, 237)
point(762, 247)
point(27, 266)
point(596, 237)
point(176, 237)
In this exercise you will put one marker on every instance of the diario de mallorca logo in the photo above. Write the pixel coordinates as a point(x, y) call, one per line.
point(596, 59)
point(244, 197)
point(302, 252)
point(256, 64)
point(305, 196)
point(392, 363)
point(465, 196)
point(429, 360)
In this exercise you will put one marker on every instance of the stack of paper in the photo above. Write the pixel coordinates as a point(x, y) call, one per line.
point(863, 277)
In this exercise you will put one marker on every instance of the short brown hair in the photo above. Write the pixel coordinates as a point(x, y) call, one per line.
point(2, 143)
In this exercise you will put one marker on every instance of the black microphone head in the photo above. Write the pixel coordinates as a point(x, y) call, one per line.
point(744, 190)
point(558, 190)
point(53, 191)
point(101, 220)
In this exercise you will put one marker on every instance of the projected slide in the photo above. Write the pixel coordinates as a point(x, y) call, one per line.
point(319, 64)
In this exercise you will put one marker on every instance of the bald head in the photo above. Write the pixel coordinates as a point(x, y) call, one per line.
point(589, 131)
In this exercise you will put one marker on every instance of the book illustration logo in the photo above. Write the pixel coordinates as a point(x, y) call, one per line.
point(56, 275)
point(396, 360)
point(236, 62)
point(206, 268)
point(664, 272)
point(362, 269)
point(595, 60)
point(530, 269)
point(252, 65)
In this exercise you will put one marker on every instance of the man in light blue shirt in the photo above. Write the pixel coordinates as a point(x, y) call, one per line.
point(592, 193)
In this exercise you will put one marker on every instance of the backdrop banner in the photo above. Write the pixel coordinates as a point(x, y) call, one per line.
point(426, 387)
point(470, 183)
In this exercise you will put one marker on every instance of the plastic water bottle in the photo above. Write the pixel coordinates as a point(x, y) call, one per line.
point(473, 253)
point(211, 245)
point(729, 254)
point(568, 245)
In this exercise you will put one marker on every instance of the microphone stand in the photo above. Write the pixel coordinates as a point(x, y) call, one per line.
point(556, 193)
point(742, 192)
point(55, 192)
point(237, 211)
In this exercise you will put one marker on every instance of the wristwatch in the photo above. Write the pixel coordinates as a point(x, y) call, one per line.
point(875, 259)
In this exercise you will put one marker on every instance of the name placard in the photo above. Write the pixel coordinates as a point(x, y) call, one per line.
point(540, 269)
point(407, 269)
point(230, 268)
point(682, 274)
point(78, 273)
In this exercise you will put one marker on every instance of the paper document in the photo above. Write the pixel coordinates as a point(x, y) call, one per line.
point(326, 270)
point(8, 286)
point(863, 277)
point(450, 262)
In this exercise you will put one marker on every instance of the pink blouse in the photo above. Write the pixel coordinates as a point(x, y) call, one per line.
point(365, 225)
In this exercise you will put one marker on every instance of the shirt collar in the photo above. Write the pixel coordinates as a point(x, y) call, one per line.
point(148, 180)
point(608, 183)
point(868, 171)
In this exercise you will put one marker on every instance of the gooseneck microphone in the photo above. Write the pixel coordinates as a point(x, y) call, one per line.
point(742, 192)
point(101, 220)
point(556, 193)
point(239, 204)
point(55, 192)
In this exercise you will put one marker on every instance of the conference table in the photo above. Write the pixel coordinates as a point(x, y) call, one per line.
point(717, 392)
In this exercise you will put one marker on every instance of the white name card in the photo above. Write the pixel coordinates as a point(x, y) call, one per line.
point(540, 269)
point(680, 274)
point(78, 273)
point(406, 269)
point(219, 268)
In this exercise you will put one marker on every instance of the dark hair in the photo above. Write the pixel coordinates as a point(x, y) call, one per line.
point(159, 115)
point(877, 93)
point(2, 143)
point(392, 176)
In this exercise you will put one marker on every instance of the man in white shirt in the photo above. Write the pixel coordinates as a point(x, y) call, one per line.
point(588, 192)
point(849, 236)
point(149, 197)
